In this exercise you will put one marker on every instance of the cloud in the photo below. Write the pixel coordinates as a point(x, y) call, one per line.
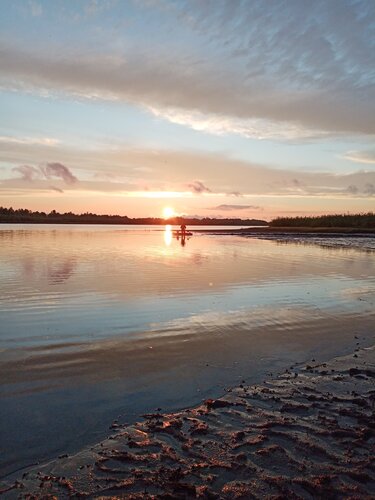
point(58, 190)
point(252, 128)
point(94, 7)
point(352, 189)
point(171, 171)
point(46, 141)
point(292, 70)
point(30, 173)
point(236, 207)
point(369, 189)
point(60, 171)
point(361, 156)
point(35, 8)
point(198, 187)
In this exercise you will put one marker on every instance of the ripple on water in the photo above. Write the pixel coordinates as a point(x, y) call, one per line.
point(96, 323)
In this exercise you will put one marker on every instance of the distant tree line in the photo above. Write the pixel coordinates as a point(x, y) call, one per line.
point(366, 220)
point(23, 215)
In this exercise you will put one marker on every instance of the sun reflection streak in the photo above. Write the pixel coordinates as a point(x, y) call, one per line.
point(168, 235)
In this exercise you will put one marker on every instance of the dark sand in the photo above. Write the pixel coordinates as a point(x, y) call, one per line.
point(331, 237)
point(309, 433)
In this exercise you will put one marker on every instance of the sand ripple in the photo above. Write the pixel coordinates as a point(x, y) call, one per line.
point(309, 433)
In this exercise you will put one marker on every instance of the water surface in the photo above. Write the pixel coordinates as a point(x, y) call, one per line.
point(105, 322)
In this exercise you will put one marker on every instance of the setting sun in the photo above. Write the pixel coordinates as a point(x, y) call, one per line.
point(168, 212)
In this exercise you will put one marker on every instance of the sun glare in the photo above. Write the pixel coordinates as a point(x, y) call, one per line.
point(168, 212)
point(168, 235)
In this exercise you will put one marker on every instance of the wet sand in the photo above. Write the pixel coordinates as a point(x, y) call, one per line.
point(269, 230)
point(307, 433)
point(329, 237)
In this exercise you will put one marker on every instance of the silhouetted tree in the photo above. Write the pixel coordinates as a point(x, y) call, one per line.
point(27, 216)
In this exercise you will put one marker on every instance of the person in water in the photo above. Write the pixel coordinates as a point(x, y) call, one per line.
point(183, 230)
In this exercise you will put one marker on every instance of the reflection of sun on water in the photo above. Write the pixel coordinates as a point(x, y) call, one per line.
point(168, 235)
point(168, 212)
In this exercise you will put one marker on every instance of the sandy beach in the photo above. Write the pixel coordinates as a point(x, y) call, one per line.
point(308, 433)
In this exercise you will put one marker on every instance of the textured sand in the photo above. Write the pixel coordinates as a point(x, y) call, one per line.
point(309, 433)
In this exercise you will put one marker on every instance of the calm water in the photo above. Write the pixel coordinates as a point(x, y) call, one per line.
point(105, 322)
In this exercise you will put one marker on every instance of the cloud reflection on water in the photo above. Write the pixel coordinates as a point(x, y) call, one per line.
point(99, 320)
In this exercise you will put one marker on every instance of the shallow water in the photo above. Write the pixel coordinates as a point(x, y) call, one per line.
point(105, 322)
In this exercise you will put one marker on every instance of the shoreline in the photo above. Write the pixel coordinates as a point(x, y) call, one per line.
point(293, 231)
point(230, 229)
point(309, 431)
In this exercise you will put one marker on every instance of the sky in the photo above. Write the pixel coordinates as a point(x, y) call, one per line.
point(214, 108)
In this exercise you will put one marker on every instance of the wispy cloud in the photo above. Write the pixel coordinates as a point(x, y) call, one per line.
point(229, 208)
point(30, 173)
point(58, 190)
point(45, 141)
point(198, 187)
point(252, 128)
point(361, 156)
point(60, 171)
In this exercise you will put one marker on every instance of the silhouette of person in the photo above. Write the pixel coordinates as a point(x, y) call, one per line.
point(183, 230)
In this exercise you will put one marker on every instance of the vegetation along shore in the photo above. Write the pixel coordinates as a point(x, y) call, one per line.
point(343, 223)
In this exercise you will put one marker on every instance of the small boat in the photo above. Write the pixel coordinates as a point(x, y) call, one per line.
point(179, 233)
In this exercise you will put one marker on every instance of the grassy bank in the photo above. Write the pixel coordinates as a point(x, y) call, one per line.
point(357, 221)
